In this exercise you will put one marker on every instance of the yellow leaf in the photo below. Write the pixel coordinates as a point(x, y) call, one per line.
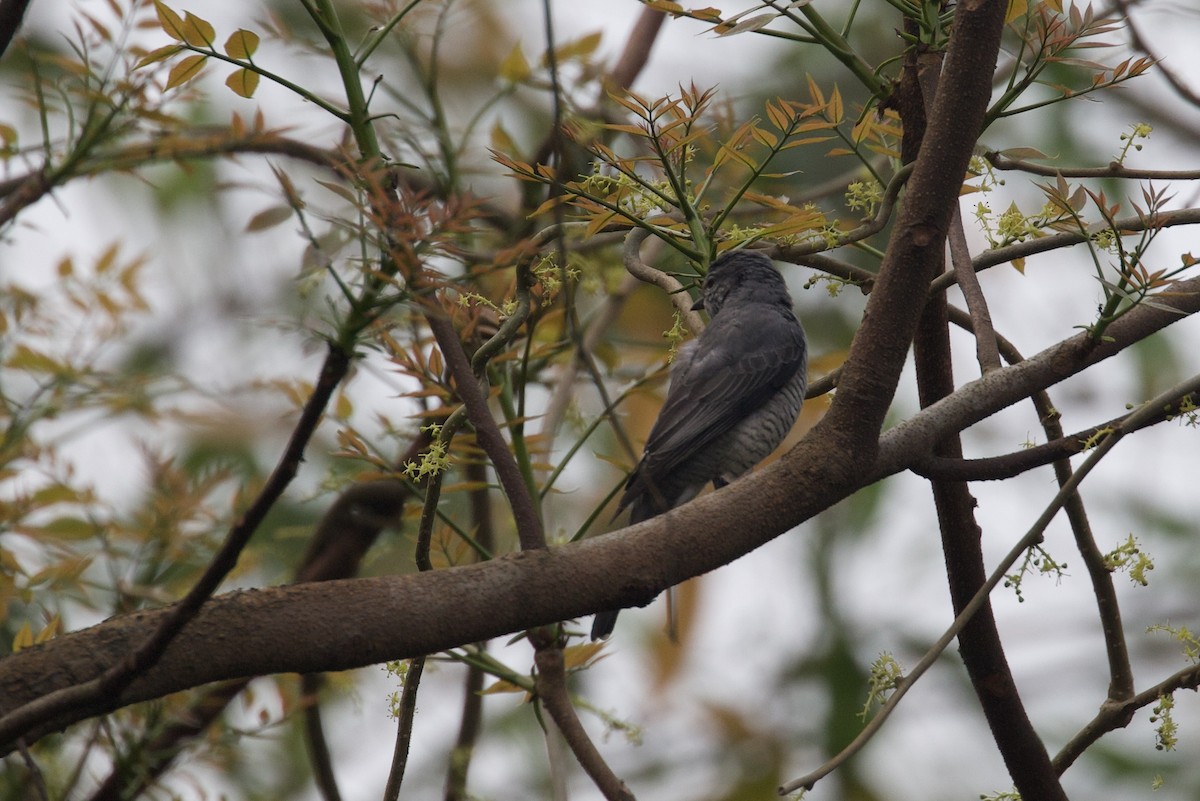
point(765, 138)
point(198, 32)
point(778, 117)
point(185, 70)
point(502, 140)
point(68, 528)
point(836, 111)
point(33, 361)
point(269, 218)
point(665, 6)
point(1019, 265)
point(815, 92)
point(241, 44)
point(502, 686)
point(169, 21)
point(52, 629)
point(243, 82)
point(24, 638)
point(155, 56)
point(107, 259)
point(514, 68)
point(578, 655)
point(582, 47)
point(1016, 9)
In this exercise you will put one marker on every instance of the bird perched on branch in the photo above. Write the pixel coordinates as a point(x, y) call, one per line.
point(735, 392)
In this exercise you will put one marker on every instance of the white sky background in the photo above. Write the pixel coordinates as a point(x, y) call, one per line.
point(756, 610)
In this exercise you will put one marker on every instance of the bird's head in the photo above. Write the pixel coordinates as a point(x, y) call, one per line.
point(745, 274)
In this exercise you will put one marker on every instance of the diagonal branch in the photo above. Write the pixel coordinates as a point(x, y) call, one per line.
point(525, 514)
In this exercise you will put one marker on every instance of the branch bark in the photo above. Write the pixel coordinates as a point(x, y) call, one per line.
point(303, 628)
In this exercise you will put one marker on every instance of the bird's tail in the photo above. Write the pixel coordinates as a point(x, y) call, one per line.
point(603, 624)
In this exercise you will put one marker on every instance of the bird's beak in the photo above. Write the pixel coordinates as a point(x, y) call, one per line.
point(698, 305)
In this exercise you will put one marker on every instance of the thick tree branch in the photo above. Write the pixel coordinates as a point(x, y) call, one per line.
point(907, 443)
point(302, 628)
point(880, 347)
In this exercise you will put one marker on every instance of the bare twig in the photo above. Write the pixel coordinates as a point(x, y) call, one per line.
point(1177, 83)
point(1112, 712)
point(960, 259)
point(553, 695)
point(472, 711)
point(319, 757)
point(1115, 715)
point(647, 274)
point(1108, 608)
point(525, 516)
point(1112, 170)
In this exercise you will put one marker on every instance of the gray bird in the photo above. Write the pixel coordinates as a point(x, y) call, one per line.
point(735, 392)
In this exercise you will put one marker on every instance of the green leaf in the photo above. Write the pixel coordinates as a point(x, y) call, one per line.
point(243, 82)
point(241, 44)
point(185, 70)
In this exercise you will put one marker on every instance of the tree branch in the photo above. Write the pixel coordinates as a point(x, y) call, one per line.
point(302, 628)
point(525, 514)
point(552, 692)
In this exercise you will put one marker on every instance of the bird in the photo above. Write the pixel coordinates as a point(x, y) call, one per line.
point(735, 392)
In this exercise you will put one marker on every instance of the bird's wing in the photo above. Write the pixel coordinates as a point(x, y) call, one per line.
point(740, 361)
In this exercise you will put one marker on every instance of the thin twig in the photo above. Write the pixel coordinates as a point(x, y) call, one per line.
point(1020, 250)
point(1014, 463)
point(1139, 43)
point(1032, 537)
point(647, 274)
point(525, 516)
point(986, 350)
point(1107, 606)
point(1115, 715)
point(404, 724)
point(553, 695)
point(35, 773)
point(1112, 170)
point(472, 711)
point(319, 757)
